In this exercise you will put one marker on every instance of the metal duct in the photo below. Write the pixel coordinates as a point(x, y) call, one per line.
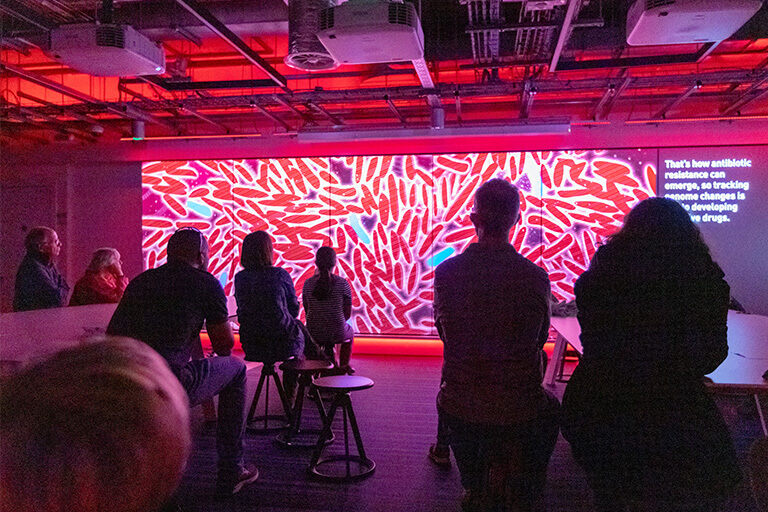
point(305, 51)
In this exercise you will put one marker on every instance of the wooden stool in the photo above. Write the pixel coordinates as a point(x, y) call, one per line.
point(345, 467)
point(271, 422)
point(307, 369)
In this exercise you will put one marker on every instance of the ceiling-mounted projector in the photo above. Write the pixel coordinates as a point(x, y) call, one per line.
point(652, 22)
point(371, 31)
point(107, 50)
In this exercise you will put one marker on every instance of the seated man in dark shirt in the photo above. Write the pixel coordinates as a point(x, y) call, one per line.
point(165, 308)
point(38, 284)
point(492, 313)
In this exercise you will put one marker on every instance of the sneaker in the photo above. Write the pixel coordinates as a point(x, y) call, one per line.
point(440, 455)
point(349, 370)
point(227, 485)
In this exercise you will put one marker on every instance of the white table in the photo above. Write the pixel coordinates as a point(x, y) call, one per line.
point(741, 372)
point(31, 335)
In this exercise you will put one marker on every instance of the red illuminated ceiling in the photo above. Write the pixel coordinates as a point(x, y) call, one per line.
point(212, 89)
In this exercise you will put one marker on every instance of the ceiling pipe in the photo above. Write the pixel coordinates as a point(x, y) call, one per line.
point(609, 93)
point(305, 51)
point(611, 99)
point(217, 27)
point(677, 101)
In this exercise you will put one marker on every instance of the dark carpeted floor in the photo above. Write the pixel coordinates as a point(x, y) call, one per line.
point(397, 419)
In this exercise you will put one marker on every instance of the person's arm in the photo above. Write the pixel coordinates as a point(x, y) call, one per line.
point(222, 339)
point(291, 301)
point(38, 290)
point(347, 300)
point(544, 331)
point(217, 319)
point(706, 342)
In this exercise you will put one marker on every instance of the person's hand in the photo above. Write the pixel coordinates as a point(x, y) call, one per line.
point(116, 269)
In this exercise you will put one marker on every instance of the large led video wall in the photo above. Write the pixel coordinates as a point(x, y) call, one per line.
point(393, 218)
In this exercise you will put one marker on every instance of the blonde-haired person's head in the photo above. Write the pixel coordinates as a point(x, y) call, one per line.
point(103, 258)
point(101, 427)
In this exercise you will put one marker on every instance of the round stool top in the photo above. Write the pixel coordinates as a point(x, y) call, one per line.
point(305, 365)
point(343, 383)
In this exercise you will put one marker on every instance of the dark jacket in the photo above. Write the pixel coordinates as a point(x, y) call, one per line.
point(39, 286)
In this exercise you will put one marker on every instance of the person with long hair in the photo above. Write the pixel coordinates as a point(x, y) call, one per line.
point(268, 309)
point(103, 282)
point(653, 307)
point(327, 301)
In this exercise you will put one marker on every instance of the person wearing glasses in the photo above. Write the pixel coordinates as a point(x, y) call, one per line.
point(103, 282)
point(39, 285)
point(166, 307)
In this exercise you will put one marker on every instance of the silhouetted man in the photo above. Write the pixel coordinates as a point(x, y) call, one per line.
point(492, 313)
point(165, 307)
point(38, 283)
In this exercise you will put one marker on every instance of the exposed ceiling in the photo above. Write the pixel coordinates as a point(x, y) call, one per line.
point(491, 63)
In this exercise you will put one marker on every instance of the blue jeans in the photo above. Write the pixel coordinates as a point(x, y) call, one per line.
point(223, 376)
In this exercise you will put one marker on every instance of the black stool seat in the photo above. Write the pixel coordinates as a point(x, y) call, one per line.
point(268, 422)
point(295, 435)
point(344, 467)
point(343, 383)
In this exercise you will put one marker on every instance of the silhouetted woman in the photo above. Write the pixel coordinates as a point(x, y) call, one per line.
point(327, 301)
point(653, 308)
point(267, 309)
point(267, 306)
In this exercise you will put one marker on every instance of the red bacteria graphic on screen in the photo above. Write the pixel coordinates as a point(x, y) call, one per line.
point(392, 218)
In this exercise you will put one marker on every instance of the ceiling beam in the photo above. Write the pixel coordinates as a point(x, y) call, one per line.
point(202, 117)
point(393, 109)
point(60, 108)
point(606, 103)
point(126, 111)
point(25, 14)
point(317, 108)
point(565, 33)
point(285, 103)
point(630, 62)
point(677, 101)
point(217, 27)
point(746, 97)
point(271, 116)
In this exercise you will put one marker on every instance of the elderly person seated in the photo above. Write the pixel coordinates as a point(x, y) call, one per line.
point(103, 426)
point(103, 282)
point(39, 285)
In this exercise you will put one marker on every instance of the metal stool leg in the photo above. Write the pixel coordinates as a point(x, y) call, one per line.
point(266, 372)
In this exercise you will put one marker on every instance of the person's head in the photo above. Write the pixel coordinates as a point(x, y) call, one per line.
point(658, 220)
point(103, 426)
point(496, 209)
point(257, 251)
point(105, 258)
point(188, 245)
point(325, 259)
point(43, 242)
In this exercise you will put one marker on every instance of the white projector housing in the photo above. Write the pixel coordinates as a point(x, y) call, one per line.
point(655, 22)
point(107, 50)
point(371, 31)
